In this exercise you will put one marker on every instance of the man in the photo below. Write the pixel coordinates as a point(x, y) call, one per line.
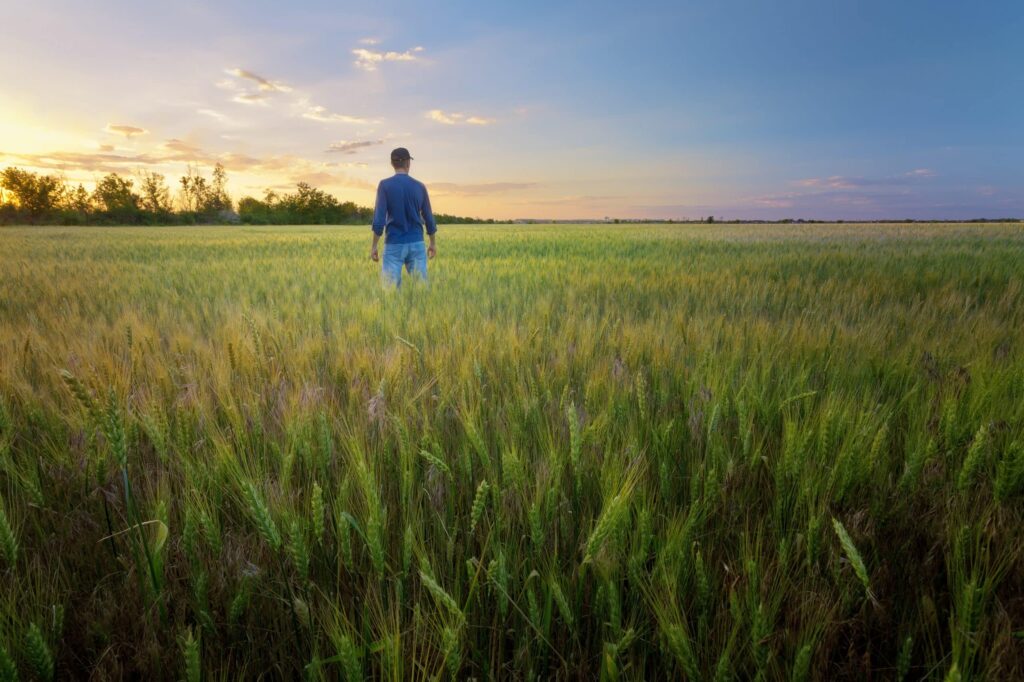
point(402, 208)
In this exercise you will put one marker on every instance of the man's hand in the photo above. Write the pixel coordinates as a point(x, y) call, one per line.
point(431, 250)
point(374, 256)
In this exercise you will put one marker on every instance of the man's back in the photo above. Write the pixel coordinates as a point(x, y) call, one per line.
point(402, 208)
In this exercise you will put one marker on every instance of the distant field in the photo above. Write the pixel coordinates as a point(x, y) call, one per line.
point(636, 452)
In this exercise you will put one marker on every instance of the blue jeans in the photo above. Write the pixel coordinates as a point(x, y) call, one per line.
point(413, 256)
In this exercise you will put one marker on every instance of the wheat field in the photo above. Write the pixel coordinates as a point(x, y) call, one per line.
point(732, 452)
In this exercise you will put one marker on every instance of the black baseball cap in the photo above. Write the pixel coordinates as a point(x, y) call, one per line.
point(400, 154)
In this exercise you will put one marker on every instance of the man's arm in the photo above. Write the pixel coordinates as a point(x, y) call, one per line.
point(428, 217)
point(379, 217)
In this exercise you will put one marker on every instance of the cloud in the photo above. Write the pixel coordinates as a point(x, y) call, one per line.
point(171, 151)
point(266, 88)
point(188, 151)
point(837, 182)
point(838, 193)
point(169, 157)
point(776, 201)
point(368, 41)
point(346, 164)
point(602, 201)
point(103, 161)
point(259, 98)
point(175, 150)
point(321, 178)
point(321, 114)
point(831, 182)
point(457, 118)
point(836, 197)
point(214, 115)
point(262, 83)
point(127, 131)
point(352, 146)
point(369, 59)
point(480, 189)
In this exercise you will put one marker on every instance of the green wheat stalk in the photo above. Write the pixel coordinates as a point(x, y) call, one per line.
point(442, 597)
point(479, 502)
point(261, 516)
point(8, 537)
point(8, 671)
point(38, 654)
point(190, 653)
point(853, 556)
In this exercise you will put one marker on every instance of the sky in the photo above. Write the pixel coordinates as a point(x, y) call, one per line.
point(739, 109)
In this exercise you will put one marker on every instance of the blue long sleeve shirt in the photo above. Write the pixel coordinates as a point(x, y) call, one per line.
point(403, 207)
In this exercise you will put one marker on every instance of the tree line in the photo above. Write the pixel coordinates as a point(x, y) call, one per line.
point(46, 199)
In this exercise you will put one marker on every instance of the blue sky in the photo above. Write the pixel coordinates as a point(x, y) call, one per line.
point(738, 109)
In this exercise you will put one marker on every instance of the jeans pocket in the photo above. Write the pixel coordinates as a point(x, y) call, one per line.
point(418, 258)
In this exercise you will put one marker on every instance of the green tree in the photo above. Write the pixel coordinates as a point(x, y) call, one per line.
point(254, 211)
point(77, 200)
point(76, 205)
point(33, 195)
point(195, 191)
point(206, 199)
point(114, 196)
point(155, 196)
point(218, 199)
point(309, 205)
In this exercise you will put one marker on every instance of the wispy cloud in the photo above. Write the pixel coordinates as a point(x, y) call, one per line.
point(776, 200)
point(843, 182)
point(837, 195)
point(831, 182)
point(368, 60)
point(322, 178)
point(457, 118)
point(170, 151)
point(352, 146)
point(181, 147)
point(480, 189)
point(259, 98)
point(127, 131)
point(302, 106)
point(171, 155)
point(369, 41)
point(589, 201)
point(214, 114)
point(264, 84)
point(318, 113)
point(104, 161)
point(346, 164)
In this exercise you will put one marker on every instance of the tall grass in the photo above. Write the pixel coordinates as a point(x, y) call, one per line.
point(730, 452)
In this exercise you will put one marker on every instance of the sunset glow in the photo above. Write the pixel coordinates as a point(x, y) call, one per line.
point(578, 111)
